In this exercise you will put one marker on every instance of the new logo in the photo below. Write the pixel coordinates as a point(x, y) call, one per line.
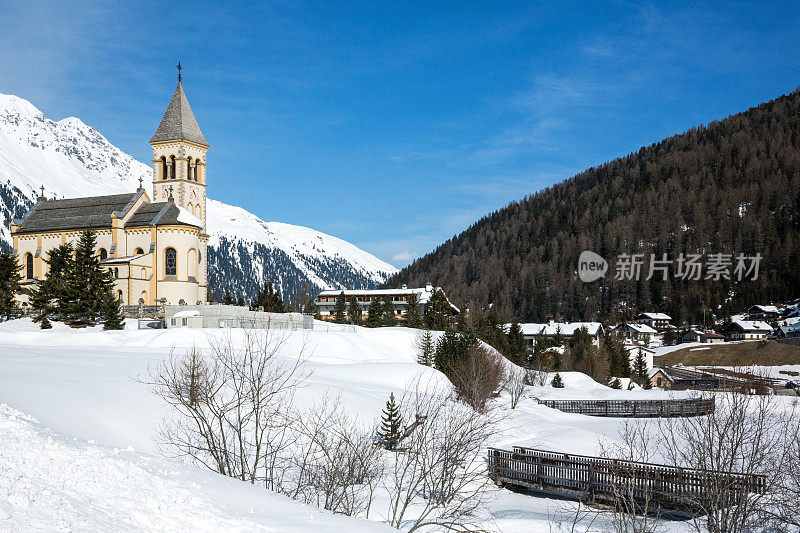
point(591, 266)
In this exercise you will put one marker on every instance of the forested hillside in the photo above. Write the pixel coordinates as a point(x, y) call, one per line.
point(732, 186)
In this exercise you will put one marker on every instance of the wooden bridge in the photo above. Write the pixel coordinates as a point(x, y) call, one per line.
point(645, 486)
point(635, 408)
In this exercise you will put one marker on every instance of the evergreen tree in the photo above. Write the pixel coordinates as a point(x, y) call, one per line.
point(88, 283)
point(413, 317)
point(425, 348)
point(354, 311)
point(111, 313)
point(580, 345)
point(374, 313)
point(391, 424)
point(640, 369)
point(48, 298)
point(240, 301)
point(228, 299)
point(615, 384)
point(617, 357)
point(9, 282)
point(340, 310)
point(451, 347)
point(389, 317)
point(268, 299)
point(516, 345)
point(557, 382)
point(437, 312)
point(311, 308)
point(45, 324)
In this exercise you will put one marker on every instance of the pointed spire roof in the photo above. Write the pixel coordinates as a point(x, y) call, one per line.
point(179, 122)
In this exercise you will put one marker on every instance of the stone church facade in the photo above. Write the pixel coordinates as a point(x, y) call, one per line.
point(155, 248)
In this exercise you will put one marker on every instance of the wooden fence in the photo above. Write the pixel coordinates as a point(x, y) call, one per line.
point(648, 486)
point(635, 408)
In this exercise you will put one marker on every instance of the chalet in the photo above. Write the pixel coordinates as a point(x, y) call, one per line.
point(696, 335)
point(552, 329)
point(657, 321)
point(789, 330)
point(659, 378)
point(326, 300)
point(748, 330)
point(640, 333)
point(763, 312)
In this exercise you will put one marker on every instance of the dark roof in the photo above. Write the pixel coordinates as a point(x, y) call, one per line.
point(156, 214)
point(74, 213)
point(178, 122)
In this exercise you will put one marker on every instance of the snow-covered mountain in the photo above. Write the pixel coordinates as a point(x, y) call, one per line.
point(71, 159)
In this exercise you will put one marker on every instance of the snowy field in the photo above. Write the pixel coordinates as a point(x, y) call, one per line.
point(77, 448)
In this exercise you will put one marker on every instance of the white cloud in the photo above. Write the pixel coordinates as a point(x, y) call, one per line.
point(404, 256)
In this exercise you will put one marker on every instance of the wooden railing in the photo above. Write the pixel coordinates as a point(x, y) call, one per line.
point(604, 480)
point(143, 311)
point(635, 408)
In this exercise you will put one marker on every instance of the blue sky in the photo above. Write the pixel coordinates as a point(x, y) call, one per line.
point(395, 126)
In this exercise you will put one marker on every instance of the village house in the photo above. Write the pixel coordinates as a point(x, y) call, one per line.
point(657, 321)
point(531, 332)
point(636, 333)
point(326, 300)
point(154, 247)
point(634, 350)
point(696, 335)
point(659, 378)
point(763, 312)
point(748, 330)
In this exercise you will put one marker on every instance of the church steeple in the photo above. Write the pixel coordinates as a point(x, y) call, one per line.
point(179, 156)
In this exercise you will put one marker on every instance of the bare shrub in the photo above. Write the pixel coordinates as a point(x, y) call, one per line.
point(635, 508)
point(745, 434)
point(229, 410)
point(439, 478)
point(515, 384)
point(338, 466)
point(476, 376)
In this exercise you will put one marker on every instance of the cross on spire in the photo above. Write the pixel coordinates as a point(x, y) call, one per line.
point(42, 188)
point(140, 182)
point(170, 192)
point(179, 70)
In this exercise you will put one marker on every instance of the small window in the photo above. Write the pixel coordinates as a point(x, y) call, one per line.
point(103, 254)
point(119, 295)
point(138, 251)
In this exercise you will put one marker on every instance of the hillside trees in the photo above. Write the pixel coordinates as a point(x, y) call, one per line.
point(354, 311)
point(437, 312)
point(413, 316)
point(728, 187)
point(9, 282)
point(268, 299)
point(340, 309)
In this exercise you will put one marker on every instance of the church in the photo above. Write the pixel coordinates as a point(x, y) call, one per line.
point(154, 247)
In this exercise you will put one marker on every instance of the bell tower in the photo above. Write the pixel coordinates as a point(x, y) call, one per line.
point(179, 157)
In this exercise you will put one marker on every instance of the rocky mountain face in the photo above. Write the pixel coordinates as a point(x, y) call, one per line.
point(71, 159)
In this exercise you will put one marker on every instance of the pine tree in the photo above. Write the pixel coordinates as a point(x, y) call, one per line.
point(9, 282)
point(389, 317)
point(617, 357)
point(640, 369)
point(311, 308)
point(413, 317)
point(228, 299)
point(87, 282)
point(437, 312)
point(49, 296)
point(340, 310)
point(112, 314)
point(516, 344)
point(425, 348)
point(450, 348)
point(354, 311)
point(45, 324)
point(240, 301)
point(268, 299)
point(374, 313)
point(391, 424)
point(615, 384)
point(557, 382)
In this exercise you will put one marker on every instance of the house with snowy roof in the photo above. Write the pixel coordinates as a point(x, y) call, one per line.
point(636, 333)
point(696, 335)
point(657, 321)
point(326, 300)
point(763, 312)
point(532, 331)
point(791, 329)
point(153, 247)
point(748, 330)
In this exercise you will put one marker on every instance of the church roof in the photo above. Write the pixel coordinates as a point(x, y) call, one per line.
point(74, 213)
point(156, 214)
point(178, 122)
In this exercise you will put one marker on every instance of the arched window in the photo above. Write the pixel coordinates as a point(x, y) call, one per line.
point(138, 251)
point(198, 212)
point(144, 273)
point(191, 208)
point(103, 254)
point(170, 262)
point(143, 299)
point(116, 272)
point(191, 263)
point(28, 266)
point(119, 295)
point(164, 171)
point(172, 167)
point(189, 169)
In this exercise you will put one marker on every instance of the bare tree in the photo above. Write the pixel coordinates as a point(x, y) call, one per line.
point(438, 479)
point(516, 379)
point(635, 505)
point(744, 435)
point(477, 375)
point(229, 410)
